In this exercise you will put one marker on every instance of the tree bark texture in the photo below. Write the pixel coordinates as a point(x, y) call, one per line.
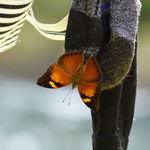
point(107, 29)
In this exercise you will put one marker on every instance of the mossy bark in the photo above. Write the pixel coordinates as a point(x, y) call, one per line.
point(107, 29)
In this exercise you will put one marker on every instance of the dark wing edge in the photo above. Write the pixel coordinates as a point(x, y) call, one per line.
point(91, 101)
point(47, 81)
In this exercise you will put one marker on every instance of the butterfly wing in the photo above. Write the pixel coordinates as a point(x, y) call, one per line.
point(91, 71)
point(89, 86)
point(54, 77)
point(60, 74)
point(90, 92)
point(71, 61)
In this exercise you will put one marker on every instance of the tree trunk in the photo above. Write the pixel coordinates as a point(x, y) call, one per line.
point(108, 30)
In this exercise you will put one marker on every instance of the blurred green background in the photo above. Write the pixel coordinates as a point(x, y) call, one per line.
point(34, 118)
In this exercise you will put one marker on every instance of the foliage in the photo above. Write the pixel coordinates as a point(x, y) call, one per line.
point(145, 9)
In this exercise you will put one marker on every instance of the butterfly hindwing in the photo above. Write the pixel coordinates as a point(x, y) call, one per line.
point(89, 92)
point(54, 77)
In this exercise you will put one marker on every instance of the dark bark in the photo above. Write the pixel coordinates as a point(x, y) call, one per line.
point(107, 30)
point(112, 124)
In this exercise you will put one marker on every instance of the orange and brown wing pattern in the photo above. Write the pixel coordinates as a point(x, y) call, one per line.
point(91, 71)
point(71, 61)
point(89, 86)
point(54, 77)
point(60, 74)
point(90, 92)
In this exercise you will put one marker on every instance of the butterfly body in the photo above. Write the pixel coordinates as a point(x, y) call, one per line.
point(77, 77)
point(70, 69)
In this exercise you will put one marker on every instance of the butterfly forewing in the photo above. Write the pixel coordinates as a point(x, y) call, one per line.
point(54, 77)
point(60, 74)
point(91, 71)
point(71, 61)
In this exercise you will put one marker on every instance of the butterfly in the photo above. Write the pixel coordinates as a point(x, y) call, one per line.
point(70, 68)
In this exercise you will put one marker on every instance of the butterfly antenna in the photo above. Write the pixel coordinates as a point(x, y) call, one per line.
point(70, 97)
point(66, 96)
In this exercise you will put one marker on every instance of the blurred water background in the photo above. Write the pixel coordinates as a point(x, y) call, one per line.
point(34, 118)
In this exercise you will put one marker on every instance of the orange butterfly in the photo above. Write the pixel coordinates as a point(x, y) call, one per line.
point(70, 69)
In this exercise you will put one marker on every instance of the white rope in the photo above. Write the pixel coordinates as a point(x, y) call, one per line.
point(13, 13)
